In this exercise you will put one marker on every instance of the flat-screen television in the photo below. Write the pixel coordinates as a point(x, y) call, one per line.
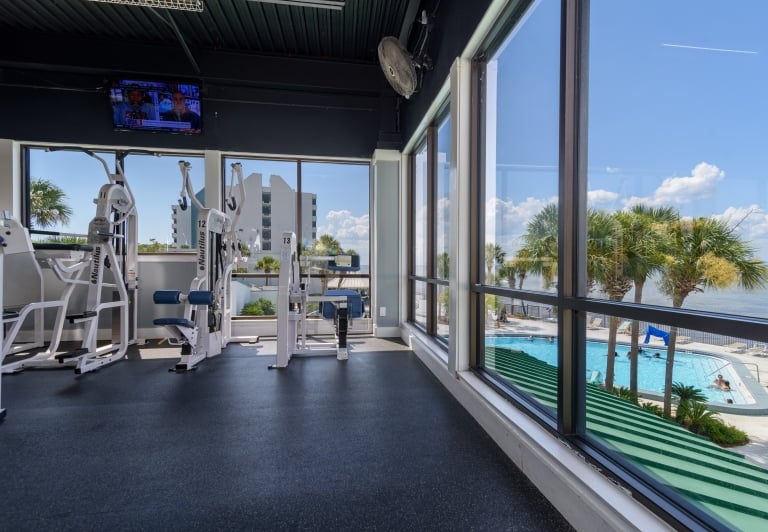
point(142, 105)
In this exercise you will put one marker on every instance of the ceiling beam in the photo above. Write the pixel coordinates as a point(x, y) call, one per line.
point(410, 16)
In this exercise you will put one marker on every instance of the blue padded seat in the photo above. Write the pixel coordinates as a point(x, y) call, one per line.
point(354, 304)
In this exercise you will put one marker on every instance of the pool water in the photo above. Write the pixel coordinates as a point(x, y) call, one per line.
point(694, 369)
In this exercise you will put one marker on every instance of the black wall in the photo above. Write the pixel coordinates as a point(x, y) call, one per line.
point(455, 22)
point(53, 89)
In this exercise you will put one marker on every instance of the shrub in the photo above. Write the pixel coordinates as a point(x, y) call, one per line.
point(685, 392)
point(693, 414)
point(622, 392)
point(653, 408)
point(261, 307)
point(723, 434)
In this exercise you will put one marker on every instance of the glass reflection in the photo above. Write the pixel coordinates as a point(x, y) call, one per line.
point(674, 164)
point(670, 400)
point(521, 153)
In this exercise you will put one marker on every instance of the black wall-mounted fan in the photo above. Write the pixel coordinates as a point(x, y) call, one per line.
point(402, 69)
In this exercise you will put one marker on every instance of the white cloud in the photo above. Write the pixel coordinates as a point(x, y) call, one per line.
point(595, 197)
point(751, 222)
point(352, 232)
point(701, 184)
point(505, 221)
point(611, 170)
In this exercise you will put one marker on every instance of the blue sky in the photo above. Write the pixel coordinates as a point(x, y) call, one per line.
point(677, 116)
point(677, 113)
point(342, 190)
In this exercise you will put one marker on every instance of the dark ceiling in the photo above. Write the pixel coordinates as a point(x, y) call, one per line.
point(275, 78)
point(245, 26)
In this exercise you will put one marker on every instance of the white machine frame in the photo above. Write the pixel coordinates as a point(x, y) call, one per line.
point(292, 300)
point(2, 353)
point(67, 265)
point(115, 221)
point(205, 328)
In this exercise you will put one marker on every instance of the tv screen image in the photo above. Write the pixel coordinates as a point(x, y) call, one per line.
point(156, 106)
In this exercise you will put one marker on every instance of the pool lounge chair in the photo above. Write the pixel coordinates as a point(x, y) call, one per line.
point(758, 350)
point(594, 376)
point(683, 339)
point(737, 347)
point(596, 323)
point(625, 327)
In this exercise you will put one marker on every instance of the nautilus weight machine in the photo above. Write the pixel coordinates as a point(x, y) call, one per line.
point(111, 246)
point(293, 297)
point(204, 329)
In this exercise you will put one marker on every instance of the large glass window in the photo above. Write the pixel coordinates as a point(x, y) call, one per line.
point(430, 230)
point(63, 184)
point(420, 212)
point(336, 222)
point(676, 198)
point(520, 109)
point(676, 124)
point(442, 228)
point(325, 204)
point(419, 228)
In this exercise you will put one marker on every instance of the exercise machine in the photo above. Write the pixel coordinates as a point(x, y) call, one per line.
point(2, 354)
point(293, 299)
point(113, 226)
point(27, 261)
point(204, 329)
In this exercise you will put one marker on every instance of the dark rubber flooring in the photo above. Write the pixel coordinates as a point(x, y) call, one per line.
point(374, 443)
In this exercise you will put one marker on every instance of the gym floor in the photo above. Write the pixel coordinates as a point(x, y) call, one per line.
point(373, 443)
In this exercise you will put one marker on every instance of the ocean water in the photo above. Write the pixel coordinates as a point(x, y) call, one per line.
point(732, 301)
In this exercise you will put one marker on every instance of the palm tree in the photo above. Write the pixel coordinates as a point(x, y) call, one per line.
point(704, 253)
point(46, 204)
point(539, 251)
point(509, 271)
point(494, 255)
point(443, 265)
point(643, 231)
point(686, 392)
point(608, 266)
point(267, 264)
point(326, 245)
point(694, 414)
point(517, 269)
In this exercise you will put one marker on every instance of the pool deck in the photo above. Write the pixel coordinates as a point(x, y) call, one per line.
point(752, 369)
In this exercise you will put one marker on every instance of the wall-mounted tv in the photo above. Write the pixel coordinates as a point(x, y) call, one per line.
point(156, 106)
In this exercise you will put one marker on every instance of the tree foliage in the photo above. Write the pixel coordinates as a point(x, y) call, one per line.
point(260, 307)
point(47, 205)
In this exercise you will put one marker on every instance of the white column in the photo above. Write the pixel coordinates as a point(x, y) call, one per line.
point(387, 244)
point(459, 346)
point(10, 177)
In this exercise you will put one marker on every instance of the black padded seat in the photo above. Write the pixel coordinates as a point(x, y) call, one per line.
point(181, 322)
point(51, 246)
point(83, 315)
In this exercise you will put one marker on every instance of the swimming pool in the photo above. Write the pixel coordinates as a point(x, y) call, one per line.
point(694, 369)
